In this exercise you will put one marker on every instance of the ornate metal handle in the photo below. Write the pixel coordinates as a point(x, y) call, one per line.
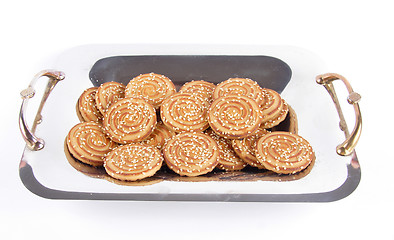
point(347, 147)
point(33, 142)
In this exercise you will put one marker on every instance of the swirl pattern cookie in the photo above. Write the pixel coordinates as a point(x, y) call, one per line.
point(201, 88)
point(159, 136)
point(107, 94)
point(284, 152)
point(133, 162)
point(129, 120)
point(228, 159)
point(273, 108)
point(234, 117)
point(184, 112)
point(276, 119)
point(88, 143)
point(86, 106)
point(239, 86)
point(153, 88)
point(245, 148)
point(191, 154)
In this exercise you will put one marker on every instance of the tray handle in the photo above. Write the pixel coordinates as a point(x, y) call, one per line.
point(32, 141)
point(347, 147)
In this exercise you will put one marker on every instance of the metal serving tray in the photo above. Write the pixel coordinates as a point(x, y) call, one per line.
point(46, 170)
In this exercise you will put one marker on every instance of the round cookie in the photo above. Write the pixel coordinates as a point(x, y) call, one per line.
point(228, 159)
point(284, 152)
point(245, 148)
point(129, 120)
point(153, 88)
point(234, 117)
point(239, 86)
point(159, 136)
point(277, 119)
point(201, 88)
point(273, 108)
point(88, 143)
point(107, 94)
point(86, 106)
point(184, 112)
point(191, 153)
point(133, 162)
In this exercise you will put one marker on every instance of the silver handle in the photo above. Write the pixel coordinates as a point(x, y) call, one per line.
point(32, 141)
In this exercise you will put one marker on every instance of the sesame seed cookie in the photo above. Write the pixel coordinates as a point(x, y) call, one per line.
point(184, 112)
point(191, 153)
point(201, 88)
point(159, 136)
point(107, 94)
point(284, 152)
point(234, 117)
point(228, 159)
point(86, 106)
point(153, 88)
point(277, 118)
point(273, 108)
point(88, 143)
point(133, 162)
point(239, 86)
point(129, 120)
point(245, 148)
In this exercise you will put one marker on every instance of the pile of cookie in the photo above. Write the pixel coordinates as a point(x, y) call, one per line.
point(133, 130)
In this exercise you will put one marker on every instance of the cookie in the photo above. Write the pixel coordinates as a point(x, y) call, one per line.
point(153, 88)
point(184, 112)
point(234, 117)
point(239, 86)
point(133, 162)
point(289, 124)
point(284, 152)
point(159, 136)
point(228, 159)
point(277, 118)
point(88, 143)
point(191, 154)
point(107, 94)
point(201, 88)
point(86, 106)
point(129, 120)
point(273, 108)
point(245, 148)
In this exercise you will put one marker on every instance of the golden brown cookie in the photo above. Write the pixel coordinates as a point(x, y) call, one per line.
point(245, 148)
point(239, 86)
point(276, 119)
point(191, 153)
point(289, 124)
point(228, 159)
point(88, 143)
point(132, 162)
point(284, 152)
point(273, 108)
point(234, 117)
point(129, 120)
point(107, 94)
point(153, 88)
point(202, 88)
point(86, 106)
point(159, 136)
point(184, 112)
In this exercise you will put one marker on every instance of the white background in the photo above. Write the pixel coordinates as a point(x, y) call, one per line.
point(353, 37)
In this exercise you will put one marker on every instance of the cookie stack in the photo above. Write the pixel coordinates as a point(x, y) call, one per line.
point(133, 130)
